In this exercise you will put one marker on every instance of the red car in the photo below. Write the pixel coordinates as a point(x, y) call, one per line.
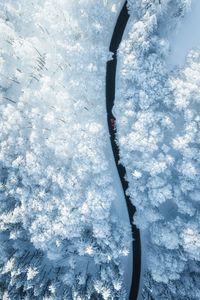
point(112, 121)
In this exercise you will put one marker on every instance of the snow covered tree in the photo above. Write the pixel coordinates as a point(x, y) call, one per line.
point(59, 230)
point(158, 135)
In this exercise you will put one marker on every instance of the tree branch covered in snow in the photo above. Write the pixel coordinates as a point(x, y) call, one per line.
point(59, 237)
point(157, 115)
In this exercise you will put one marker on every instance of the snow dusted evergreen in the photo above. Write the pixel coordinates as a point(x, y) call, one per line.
point(60, 237)
point(158, 122)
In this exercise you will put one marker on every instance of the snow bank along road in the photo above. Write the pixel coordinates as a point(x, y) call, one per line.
point(110, 96)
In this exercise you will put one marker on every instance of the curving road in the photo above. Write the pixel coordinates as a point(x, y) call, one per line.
point(110, 97)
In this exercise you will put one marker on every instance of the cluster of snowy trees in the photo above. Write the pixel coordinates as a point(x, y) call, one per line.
point(158, 122)
point(59, 236)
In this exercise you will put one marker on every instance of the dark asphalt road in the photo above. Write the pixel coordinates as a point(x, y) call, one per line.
point(110, 97)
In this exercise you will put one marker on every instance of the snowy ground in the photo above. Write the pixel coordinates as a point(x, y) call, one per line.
point(185, 37)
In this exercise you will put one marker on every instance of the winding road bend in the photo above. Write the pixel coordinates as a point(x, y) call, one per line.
point(110, 97)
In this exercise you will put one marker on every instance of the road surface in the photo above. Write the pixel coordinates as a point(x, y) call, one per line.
point(110, 97)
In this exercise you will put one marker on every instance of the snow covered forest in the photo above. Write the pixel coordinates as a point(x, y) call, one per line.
point(64, 227)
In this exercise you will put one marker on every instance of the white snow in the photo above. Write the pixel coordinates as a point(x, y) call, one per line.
point(63, 210)
point(185, 37)
point(155, 110)
point(56, 143)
